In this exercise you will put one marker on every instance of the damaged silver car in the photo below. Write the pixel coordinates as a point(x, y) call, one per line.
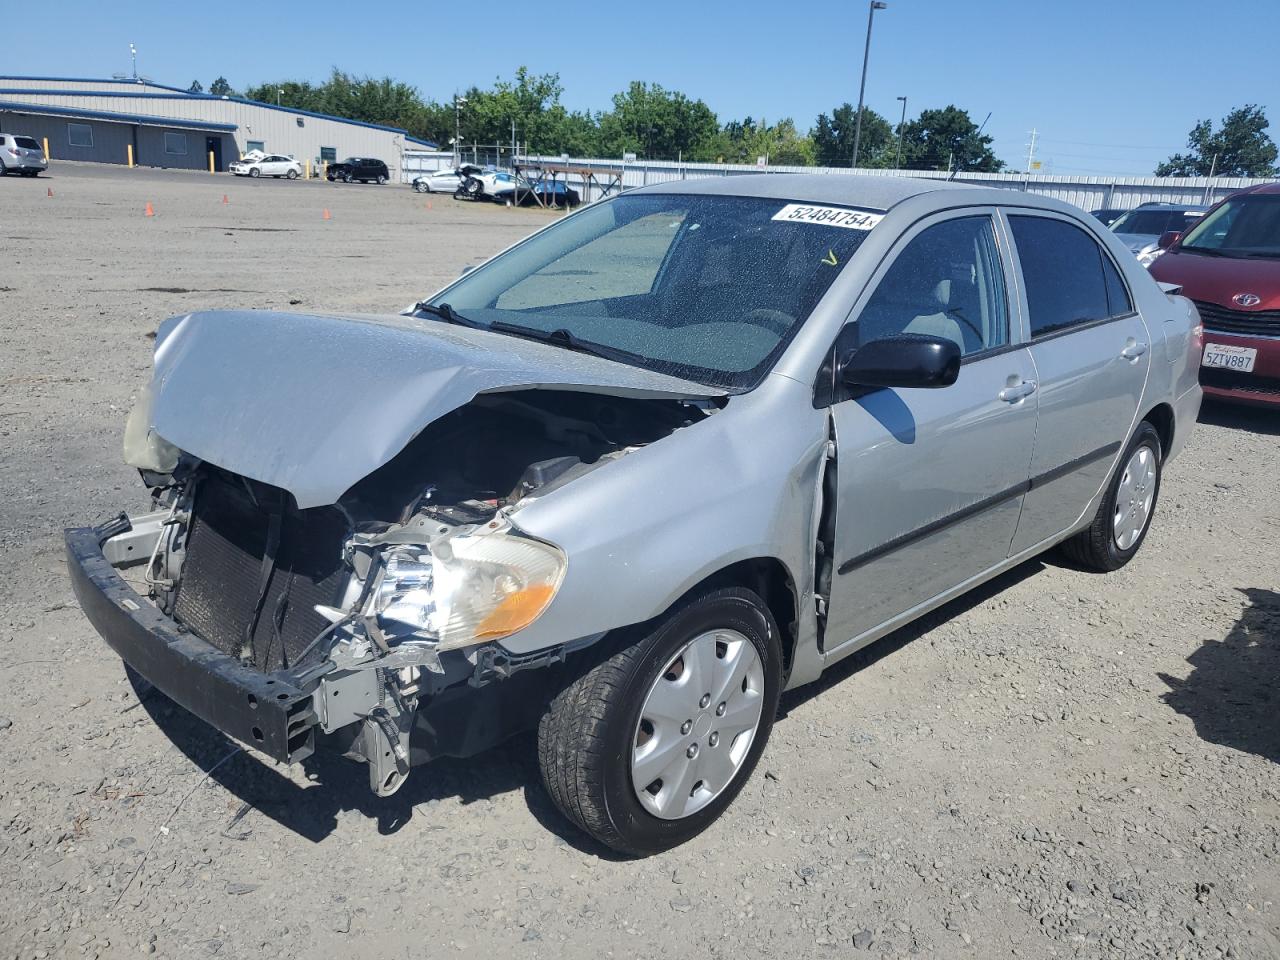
point(634, 477)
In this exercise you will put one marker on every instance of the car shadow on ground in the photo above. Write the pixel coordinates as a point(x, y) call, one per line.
point(893, 642)
point(337, 785)
point(1230, 694)
point(1234, 416)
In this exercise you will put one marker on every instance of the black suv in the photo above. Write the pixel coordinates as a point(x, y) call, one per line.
point(359, 168)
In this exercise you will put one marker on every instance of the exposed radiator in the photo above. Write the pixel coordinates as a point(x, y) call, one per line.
point(221, 575)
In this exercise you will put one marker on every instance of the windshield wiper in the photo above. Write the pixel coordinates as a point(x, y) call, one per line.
point(561, 337)
point(446, 313)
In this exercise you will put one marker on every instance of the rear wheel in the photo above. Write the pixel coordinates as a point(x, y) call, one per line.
point(1124, 516)
point(648, 748)
point(292, 174)
point(381, 179)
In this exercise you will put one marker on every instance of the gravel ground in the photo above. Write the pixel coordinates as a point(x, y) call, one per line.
point(1061, 765)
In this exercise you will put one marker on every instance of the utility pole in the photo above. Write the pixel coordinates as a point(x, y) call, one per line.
point(1208, 187)
point(457, 129)
point(897, 164)
point(1031, 150)
point(862, 90)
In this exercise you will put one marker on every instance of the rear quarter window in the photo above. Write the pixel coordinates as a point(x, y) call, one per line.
point(1064, 273)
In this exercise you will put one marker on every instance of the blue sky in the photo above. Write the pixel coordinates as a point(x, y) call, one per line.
point(1113, 87)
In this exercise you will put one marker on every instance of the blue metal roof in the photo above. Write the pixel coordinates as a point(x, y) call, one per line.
point(18, 106)
point(180, 94)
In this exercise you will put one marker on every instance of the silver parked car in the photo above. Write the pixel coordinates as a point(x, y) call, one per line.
point(21, 155)
point(1141, 228)
point(634, 477)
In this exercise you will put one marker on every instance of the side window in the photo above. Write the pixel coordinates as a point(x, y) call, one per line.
point(1118, 302)
point(947, 282)
point(1062, 270)
point(175, 144)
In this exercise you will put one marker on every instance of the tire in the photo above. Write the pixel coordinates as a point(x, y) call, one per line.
point(597, 729)
point(4, 171)
point(346, 178)
point(1114, 536)
point(381, 180)
point(255, 172)
point(420, 186)
point(292, 175)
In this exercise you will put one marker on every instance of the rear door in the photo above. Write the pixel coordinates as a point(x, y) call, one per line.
point(929, 482)
point(1092, 353)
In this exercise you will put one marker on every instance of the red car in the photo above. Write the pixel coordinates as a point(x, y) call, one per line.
point(1229, 264)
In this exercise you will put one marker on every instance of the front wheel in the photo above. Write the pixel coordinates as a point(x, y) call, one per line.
point(1124, 516)
point(346, 178)
point(420, 186)
point(255, 172)
point(648, 748)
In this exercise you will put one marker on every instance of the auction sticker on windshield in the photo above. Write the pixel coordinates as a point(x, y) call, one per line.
point(828, 216)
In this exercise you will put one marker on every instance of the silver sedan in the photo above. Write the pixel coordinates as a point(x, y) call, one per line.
point(636, 476)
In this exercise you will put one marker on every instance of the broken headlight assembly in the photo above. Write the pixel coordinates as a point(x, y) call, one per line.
point(463, 590)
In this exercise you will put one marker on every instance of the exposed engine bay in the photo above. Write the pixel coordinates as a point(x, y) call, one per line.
point(400, 589)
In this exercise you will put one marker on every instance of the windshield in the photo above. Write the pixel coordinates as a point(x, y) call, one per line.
point(1153, 222)
point(1245, 226)
point(707, 288)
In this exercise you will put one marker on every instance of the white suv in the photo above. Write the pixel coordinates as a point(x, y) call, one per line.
point(21, 155)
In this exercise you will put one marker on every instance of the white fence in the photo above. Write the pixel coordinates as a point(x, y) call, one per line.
point(1089, 193)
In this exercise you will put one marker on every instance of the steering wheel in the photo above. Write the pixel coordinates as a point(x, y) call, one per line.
point(775, 321)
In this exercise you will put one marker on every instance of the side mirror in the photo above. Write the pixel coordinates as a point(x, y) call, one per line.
point(909, 360)
point(1168, 239)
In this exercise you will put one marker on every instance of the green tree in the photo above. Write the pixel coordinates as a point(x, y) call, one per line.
point(220, 88)
point(658, 124)
point(1241, 147)
point(833, 138)
point(947, 139)
point(532, 104)
point(196, 87)
point(744, 141)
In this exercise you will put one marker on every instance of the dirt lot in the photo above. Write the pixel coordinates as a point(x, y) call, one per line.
point(1064, 765)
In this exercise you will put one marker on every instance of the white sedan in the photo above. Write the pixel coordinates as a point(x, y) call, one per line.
point(438, 181)
point(266, 165)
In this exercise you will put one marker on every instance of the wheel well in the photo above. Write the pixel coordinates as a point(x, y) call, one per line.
point(1161, 417)
point(769, 578)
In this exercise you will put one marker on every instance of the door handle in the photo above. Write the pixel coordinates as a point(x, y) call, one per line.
point(1133, 351)
point(1018, 391)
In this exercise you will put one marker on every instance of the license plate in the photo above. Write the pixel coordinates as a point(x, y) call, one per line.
point(1229, 357)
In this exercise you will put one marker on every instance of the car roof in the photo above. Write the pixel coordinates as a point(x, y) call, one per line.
point(869, 191)
point(1186, 207)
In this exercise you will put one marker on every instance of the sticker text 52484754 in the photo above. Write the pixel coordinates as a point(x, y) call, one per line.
point(828, 216)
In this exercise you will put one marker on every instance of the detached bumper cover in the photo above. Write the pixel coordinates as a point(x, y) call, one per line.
point(264, 711)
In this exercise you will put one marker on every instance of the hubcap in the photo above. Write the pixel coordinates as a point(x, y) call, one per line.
point(697, 724)
point(1134, 497)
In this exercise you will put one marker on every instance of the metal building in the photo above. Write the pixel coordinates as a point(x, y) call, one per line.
point(114, 121)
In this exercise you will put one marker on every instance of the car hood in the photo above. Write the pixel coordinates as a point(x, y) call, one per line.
point(313, 403)
point(1218, 279)
point(1136, 241)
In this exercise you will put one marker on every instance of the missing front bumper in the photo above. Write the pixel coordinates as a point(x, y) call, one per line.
point(264, 711)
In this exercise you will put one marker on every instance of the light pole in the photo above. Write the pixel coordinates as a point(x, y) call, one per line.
point(897, 164)
point(133, 55)
point(857, 127)
point(457, 129)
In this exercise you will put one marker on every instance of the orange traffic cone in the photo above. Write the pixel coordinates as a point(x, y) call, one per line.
point(224, 199)
point(428, 204)
point(325, 215)
point(149, 212)
point(51, 191)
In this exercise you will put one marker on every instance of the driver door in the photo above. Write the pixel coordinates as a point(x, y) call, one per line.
point(930, 482)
